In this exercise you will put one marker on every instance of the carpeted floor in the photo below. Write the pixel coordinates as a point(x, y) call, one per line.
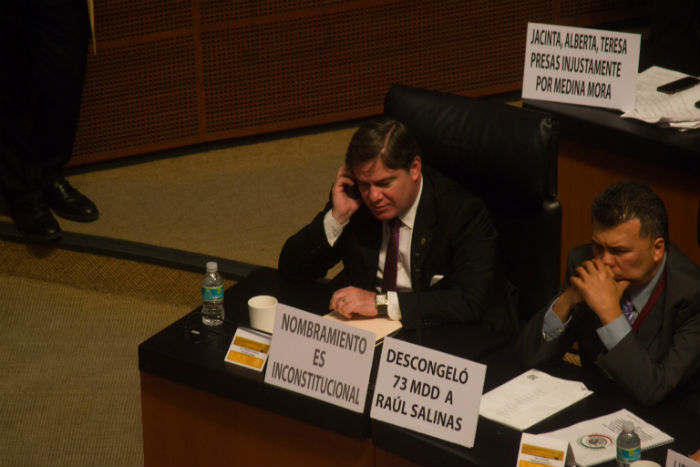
point(71, 322)
point(240, 202)
point(70, 325)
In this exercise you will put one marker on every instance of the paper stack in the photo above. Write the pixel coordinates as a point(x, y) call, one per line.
point(669, 110)
point(530, 398)
point(593, 441)
point(380, 326)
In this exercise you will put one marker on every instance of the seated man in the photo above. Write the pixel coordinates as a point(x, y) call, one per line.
point(630, 299)
point(440, 238)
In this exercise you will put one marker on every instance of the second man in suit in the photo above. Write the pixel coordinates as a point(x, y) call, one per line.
point(630, 300)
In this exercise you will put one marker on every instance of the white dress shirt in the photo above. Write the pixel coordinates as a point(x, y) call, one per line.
point(334, 229)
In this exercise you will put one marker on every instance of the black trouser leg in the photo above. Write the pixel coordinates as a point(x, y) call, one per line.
point(45, 43)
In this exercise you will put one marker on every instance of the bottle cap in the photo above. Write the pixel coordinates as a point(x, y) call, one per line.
point(627, 426)
point(212, 266)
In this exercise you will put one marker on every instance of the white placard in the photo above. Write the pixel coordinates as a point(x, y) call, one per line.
point(581, 66)
point(676, 459)
point(320, 358)
point(530, 398)
point(541, 451)
point(428, 391)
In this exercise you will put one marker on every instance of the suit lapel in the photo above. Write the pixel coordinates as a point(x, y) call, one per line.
point(653, 321)
point(661, 316)
point(423, 229)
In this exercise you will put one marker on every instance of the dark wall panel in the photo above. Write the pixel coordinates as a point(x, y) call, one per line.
point(169, 73)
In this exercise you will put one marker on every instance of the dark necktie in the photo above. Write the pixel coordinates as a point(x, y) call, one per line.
point(392, 256)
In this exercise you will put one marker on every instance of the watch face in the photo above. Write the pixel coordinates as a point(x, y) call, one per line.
point(382, 303)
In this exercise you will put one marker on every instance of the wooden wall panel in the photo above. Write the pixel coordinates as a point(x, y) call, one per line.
point(291, 69)
point(588, 12)
point(169, 73)
point(124, 20)
point(137, 96)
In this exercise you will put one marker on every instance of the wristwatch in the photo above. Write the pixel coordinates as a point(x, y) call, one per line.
point(381, 301)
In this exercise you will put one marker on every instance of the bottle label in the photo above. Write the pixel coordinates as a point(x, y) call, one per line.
point(627, 456)
point(212, 293)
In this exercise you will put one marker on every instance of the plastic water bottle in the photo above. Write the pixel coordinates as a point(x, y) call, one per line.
point(629, 447)
point(212, 296)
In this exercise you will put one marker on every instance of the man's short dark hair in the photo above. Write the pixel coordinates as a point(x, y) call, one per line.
point(386, 138)
point(624, 201)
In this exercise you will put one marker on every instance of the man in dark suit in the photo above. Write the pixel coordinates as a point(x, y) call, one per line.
point(415, 245)
point(631, 300)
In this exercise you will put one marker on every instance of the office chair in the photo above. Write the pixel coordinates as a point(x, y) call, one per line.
point(508, 157)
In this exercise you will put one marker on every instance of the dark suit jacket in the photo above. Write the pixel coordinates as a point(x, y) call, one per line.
point(453, 236)
point(650, 362)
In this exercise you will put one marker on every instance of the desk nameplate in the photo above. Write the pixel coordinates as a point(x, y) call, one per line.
point(428, 391)
point(581, 66)
point(320, 358)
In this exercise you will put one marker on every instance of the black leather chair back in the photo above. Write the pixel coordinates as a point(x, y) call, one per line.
point(508, 157)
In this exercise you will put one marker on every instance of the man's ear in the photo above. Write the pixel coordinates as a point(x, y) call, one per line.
point(415, 169)
point(659, 248)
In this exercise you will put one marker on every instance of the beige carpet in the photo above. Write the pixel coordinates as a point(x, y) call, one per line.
point(238, 203)
point(70, 323)
point(70, 326)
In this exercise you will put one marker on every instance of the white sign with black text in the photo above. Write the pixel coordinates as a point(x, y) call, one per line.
point(581, 66)
point(320, 358)
point(428, 391)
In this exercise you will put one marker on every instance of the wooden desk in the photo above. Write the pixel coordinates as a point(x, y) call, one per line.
point(199, 410)
point(597, 148)
point(497, 444)
point(184, 426)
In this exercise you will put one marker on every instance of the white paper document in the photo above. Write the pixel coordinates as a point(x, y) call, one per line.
point(380, 326)
point(593, 441)
point(530, 398)
point(673, 110)
point(676, 459)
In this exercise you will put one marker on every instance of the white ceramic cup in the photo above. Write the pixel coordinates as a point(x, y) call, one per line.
point(644, 463)
point(261, 311)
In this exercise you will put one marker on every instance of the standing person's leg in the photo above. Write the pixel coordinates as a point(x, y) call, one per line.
point(20, 173)
point(45, 44)
point(62, 32)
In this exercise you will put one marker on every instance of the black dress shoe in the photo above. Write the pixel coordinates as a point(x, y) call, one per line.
point(34, 220)
point(69, 203)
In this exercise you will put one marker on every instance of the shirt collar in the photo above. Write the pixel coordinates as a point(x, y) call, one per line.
point(640, 297)
point(409, 217)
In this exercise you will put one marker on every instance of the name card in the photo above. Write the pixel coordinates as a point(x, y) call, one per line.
point(249, 348)
point(540, 451)
point(320, 358)
point(428, 391)
point(581, 66)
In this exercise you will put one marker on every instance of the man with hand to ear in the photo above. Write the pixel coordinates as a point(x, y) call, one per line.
point(630, 300)
point(346, 200)
point(415, 245)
